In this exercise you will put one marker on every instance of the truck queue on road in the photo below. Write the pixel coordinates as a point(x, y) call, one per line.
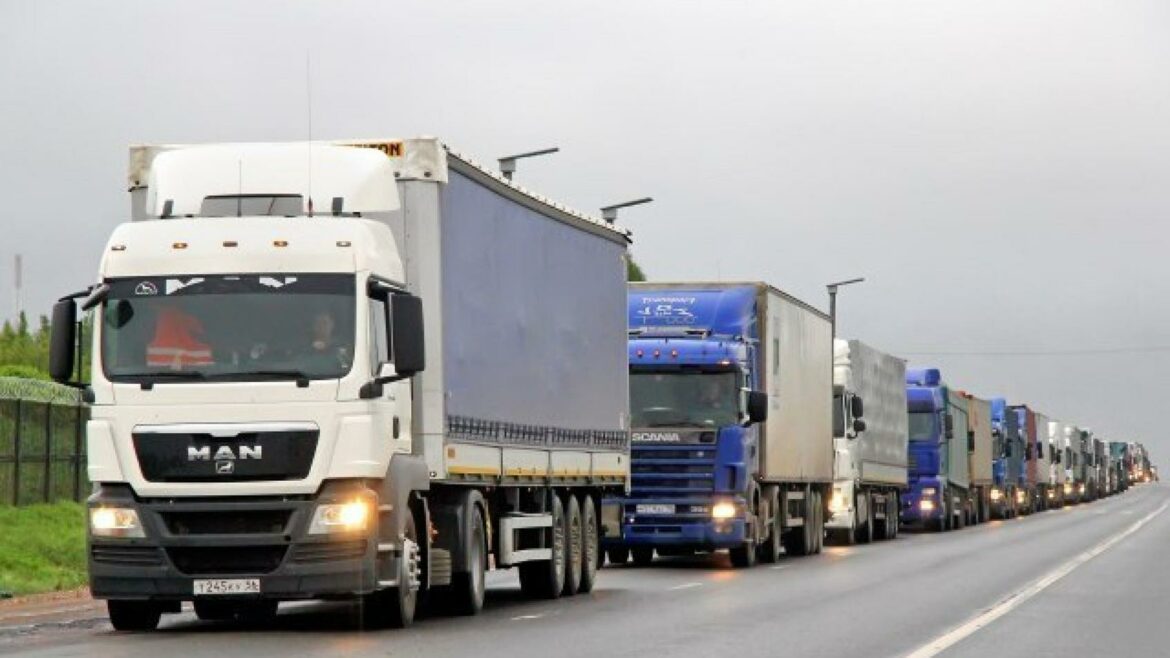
point(375, 369)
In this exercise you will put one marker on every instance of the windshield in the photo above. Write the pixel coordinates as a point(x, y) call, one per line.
point(229, 327)
point(922, 426)
point(690, 399)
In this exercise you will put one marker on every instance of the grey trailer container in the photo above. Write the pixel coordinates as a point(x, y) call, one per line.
point(980, 443)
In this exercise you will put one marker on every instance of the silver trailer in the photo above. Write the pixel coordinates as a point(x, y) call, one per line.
point(871, 441)
point(979, 452)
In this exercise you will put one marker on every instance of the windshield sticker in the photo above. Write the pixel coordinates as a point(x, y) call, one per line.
point(175, 285)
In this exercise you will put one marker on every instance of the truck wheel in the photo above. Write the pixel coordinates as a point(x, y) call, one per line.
point(395, 607)
point(134, 615)
point(771, 549)
point(865, 528)
point(545, 579)
point(617, 556)
point(589, 545)
point(573, 554)
point(819, 528)
point(643, 556)
point(467, 589)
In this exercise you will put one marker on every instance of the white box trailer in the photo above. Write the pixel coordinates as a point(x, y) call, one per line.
point(416, 473)
point(870, 468)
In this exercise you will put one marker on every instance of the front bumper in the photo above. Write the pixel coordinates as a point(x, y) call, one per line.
point(264, 539)
point(679, 531)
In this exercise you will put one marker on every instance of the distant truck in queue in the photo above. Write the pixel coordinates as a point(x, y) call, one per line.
point(1010, 493)
point(371, 376)
point(731, 412)
point(939, 495)
point(870, 435)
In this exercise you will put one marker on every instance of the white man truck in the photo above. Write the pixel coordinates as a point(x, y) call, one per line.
point(273, 419)
point(871, 440)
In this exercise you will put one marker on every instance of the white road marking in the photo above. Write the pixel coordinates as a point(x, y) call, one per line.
point(953, 637)
point(684, 586)
point(527, 617)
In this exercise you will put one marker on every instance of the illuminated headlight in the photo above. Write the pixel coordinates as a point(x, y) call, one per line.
point(1068, 488)
point(837, 503)
point(1051, 494)
point(1081, 489)
point(926, 505)
point(352, 516)
point(115, 522)
point(929, 491)
point(1021, 496)
point(996, 494)
point(724, 510)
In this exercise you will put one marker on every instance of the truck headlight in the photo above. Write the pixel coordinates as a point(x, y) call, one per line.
point(837, 503)
point(996, 494)
point(1021, 496)
point(115, 522)
point(1068, 488)
point(723, 510)
point(352, 516)
point(1051, 494)
point(926, 505)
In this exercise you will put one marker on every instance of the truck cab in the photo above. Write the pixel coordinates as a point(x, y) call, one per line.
point(694, 450)
point(1009, 494)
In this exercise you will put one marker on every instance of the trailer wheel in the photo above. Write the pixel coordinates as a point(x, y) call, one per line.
point(617, 556)
point(771, 549)
point(467, 589)
point(573, 553)
point(545, 579)
point(590, 552)
point(133, 615)
point(865, 529)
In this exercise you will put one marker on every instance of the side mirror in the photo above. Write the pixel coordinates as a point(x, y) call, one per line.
point(858, 407)
point(858, 425)
point(757, 406)
point(409, 345)
point(63, 341)
point(949, 426)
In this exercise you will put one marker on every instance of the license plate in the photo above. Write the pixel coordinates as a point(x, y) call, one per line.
point(227, 587)
point(654, 509)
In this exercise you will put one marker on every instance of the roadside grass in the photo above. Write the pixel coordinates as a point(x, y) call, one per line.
point(42, 548)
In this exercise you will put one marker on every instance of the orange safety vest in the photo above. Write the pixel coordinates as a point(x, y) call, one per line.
point(175, 344)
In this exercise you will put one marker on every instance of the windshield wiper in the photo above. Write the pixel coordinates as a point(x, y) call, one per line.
point(148, 379)
point(298, 376)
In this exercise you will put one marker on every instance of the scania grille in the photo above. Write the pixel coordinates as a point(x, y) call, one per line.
point(674, 471)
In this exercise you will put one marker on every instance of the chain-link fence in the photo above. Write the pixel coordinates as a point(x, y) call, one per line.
point(42, 442)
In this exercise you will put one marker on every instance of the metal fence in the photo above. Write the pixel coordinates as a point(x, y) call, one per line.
point(42, 442)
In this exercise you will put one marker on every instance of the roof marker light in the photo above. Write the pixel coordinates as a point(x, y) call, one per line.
point(179, 245)
point(674, 354)
point(280, 243)
point(118, 247)
point(230, 243)
point(657, 353)
point(343, 243)
point(639, 353)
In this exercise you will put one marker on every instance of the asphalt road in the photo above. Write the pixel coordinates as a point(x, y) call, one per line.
point(1086, 580)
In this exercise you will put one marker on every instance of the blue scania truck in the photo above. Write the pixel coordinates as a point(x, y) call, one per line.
point(731, 395)
point(940, 483)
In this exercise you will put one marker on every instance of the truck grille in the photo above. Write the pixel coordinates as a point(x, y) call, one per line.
point(208, 560)
point(138, 556)
point(248, 456)
point(672, 471)
point(236, 522)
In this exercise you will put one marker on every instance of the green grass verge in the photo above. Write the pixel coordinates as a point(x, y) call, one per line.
point(42, 548)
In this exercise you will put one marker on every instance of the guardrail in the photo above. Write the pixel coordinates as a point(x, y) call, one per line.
point(42, 442)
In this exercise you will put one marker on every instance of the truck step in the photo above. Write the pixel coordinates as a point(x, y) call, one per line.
point(440, 567)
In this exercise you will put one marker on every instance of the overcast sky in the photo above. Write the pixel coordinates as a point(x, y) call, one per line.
point(998, 170)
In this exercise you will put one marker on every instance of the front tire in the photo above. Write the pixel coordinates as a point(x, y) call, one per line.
point(133, 615)
point(395, 607)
